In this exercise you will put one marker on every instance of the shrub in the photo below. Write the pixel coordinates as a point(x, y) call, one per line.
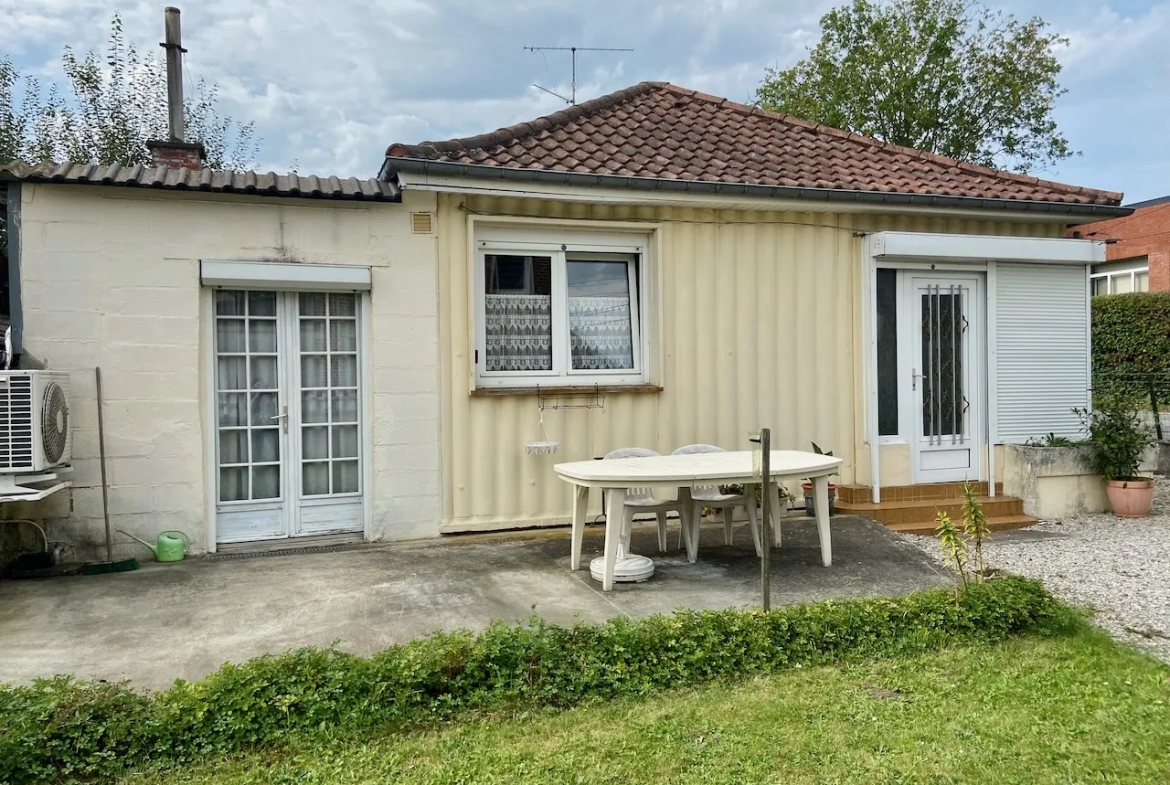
point(1117, 435)
point(1131, 343)
point(63, 729)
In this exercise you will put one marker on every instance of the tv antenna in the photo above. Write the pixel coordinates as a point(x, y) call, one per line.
point(572, 99)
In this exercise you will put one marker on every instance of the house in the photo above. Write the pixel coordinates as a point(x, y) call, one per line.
point(233, 417)
point(1137, 256)
point(655, 267)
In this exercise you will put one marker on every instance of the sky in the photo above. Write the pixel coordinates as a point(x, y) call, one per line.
point(330, 85)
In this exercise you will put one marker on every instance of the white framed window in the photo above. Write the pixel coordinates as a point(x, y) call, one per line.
point(559, 309)
point(1120, 277)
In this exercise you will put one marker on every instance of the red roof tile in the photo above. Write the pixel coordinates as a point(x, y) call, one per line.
point(660, 131)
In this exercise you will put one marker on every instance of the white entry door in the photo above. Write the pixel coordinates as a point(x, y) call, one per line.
point(945, 332)
point(288, 393)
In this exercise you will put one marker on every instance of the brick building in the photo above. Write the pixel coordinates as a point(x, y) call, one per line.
point(1138, 258)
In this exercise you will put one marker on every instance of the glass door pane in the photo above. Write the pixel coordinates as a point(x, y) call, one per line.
point(247, 396)
point(327, 331)
point(944, 396)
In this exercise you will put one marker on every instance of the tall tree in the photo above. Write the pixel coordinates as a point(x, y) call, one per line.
point(113, 106)
point(948, 76)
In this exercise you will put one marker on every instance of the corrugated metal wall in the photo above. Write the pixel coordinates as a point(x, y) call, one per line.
point(759, 327)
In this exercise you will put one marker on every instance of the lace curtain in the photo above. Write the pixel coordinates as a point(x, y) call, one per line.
point(519, 332)
point(599, 333)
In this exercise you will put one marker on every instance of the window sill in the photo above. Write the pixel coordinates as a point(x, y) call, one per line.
point(584, 389)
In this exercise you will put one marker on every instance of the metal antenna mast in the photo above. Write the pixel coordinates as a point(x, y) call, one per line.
point(574, 50)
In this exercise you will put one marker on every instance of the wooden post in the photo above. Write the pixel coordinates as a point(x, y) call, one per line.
point(764, 439)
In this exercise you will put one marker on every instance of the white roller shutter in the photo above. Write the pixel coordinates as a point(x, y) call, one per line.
point(1040, 351)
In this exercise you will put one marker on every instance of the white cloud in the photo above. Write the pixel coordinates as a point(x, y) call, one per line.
point(331, 85)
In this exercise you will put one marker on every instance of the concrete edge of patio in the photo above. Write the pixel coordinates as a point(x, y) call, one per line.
point(185, 620)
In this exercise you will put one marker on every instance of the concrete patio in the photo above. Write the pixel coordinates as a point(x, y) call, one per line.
point(184, 620)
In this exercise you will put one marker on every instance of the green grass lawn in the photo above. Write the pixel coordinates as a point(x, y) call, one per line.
point(1033, 710)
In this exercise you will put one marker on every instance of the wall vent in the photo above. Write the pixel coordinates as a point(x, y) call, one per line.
point(421, 223)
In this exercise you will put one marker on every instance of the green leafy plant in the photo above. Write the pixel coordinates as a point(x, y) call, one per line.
point(739, 489)
point(116, 102)
point(61, 729)
point(816, 448)
point(1131, 345)
point(975, 527)
point(1051, 440)
point(953, 77)
point(959, 544)
point(1117, 435)
point(954, 545)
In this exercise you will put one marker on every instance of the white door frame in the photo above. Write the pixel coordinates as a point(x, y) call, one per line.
point(931, 250)
point(973, 432)
point(210, 409)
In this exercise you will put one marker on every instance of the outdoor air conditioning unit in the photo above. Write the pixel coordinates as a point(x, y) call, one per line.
point(34, 421)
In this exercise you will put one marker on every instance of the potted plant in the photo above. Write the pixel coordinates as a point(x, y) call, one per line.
point(810, 504)
point(1119, 438)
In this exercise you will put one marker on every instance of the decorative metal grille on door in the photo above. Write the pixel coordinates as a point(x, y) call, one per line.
point(944, 399)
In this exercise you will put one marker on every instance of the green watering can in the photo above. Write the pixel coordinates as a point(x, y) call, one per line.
point(169, 547)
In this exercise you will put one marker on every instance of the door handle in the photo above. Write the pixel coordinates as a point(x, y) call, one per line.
point(914, 377)
point(283, 417)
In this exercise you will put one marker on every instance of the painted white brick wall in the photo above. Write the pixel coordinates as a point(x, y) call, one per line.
point(110, 277)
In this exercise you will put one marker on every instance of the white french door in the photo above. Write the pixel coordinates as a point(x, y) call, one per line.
point(288, 414)
point(944, 335)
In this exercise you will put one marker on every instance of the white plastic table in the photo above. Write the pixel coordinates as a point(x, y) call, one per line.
point(685, 472)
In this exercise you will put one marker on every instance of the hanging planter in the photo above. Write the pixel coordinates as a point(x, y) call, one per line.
point(545, 447)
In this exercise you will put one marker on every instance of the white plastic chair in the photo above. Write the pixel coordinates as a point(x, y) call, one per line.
point(643, 499)
point(711, 496)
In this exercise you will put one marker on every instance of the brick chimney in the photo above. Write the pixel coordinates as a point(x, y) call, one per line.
point(175, 152)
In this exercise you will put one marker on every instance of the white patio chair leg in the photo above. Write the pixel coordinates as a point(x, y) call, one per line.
point(662, 531)
point(777, 512)
point(751, 511)
point(627, 530)
point(728, 531)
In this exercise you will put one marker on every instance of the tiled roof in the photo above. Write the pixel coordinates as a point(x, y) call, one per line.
point(659, 131)
point(211, 180)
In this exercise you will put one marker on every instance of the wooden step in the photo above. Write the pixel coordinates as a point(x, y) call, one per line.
point(925, 512)
point(1000, 523)
point(850, 494)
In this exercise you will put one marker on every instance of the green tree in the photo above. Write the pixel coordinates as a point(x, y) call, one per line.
point(114, 105)
point(948, 76)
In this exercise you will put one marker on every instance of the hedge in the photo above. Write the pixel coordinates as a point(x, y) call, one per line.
point(62, 729)
point(1131, 335)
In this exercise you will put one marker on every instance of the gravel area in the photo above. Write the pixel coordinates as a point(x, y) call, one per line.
point(1119, 567)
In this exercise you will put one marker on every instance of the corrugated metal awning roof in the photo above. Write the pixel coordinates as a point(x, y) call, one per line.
point(208, 180)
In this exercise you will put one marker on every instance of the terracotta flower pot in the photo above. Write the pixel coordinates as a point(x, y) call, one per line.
point(810, 505)
point(1130, 498)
